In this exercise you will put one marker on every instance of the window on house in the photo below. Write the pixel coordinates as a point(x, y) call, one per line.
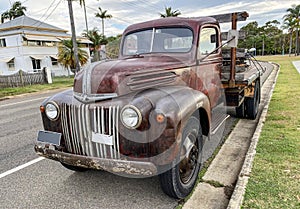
point(36, 64)
point(11, 64)
point(2, 42)
point(208, 41)
point(54, 61)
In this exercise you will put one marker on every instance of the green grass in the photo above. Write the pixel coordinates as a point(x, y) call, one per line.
point(275, 176)
point(58, 82)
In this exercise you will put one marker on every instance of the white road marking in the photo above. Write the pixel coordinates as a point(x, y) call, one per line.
point(31, 100)
point(2, 175)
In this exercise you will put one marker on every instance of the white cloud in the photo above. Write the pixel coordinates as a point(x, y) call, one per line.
point(126, 12)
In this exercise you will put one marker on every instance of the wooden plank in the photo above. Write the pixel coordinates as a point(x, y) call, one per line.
point(225, 18)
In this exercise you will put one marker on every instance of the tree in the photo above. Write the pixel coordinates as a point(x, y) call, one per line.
point(15, 11)
point(82, 3)
point(288, 24)
point(267, 39)
point(5, 16)
point(103, 15)
point(74, 42)
point(66, 56)
point(293, 19)
point(97, 39)
point(170, 13)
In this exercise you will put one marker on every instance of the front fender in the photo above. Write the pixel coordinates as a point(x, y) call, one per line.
point(177, 104)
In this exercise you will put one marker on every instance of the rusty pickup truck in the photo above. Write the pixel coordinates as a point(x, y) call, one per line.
point(147, 112)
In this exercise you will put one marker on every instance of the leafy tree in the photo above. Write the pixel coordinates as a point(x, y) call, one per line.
point(267, 39)
point(15, 11)
point(252, 31)
point(113, 46)
point(292, 19)
point(66, 55)
point(103, 15)
point(170, 13)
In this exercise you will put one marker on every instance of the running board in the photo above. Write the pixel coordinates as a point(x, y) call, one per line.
point(218, 119)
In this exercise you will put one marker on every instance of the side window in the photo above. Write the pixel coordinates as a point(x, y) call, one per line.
point(208, 41)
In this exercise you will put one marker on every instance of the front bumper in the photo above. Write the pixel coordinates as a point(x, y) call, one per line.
point(128, 168)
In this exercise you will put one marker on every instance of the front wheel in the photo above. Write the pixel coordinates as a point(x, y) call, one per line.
point(180, 180)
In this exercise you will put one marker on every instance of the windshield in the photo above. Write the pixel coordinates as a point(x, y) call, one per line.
point(158, 40)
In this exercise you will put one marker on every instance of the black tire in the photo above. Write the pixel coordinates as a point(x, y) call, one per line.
point(74, 168)
point(252, 104)
point(240, 110)
point(179, 181)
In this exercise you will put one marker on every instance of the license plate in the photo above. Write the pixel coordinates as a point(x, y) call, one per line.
point(102, 138)
point(49, 137)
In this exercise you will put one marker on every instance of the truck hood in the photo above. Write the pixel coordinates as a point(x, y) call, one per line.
point(113, 78)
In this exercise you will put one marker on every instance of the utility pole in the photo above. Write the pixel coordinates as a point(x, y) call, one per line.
point(75, 48)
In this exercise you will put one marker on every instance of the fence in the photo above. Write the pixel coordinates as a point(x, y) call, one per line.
point(22, 78)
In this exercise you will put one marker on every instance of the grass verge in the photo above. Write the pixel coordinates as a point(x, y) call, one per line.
point(275, 176)
point(58, 82)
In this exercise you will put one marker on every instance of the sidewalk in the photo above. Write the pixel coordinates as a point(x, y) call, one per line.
point(224, 182)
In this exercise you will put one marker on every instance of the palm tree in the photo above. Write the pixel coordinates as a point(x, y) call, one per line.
point(5, 16)
point(103, 15)
point(82, 3)
point(97, 39)
point(288, 24)
point(170, 13)
point(293, 17)
point(15, 11)
point(66, 55)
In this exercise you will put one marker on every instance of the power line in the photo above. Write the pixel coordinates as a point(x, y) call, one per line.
point(131, 4)
point(24, 1)
point(44, 13)
point(50, 13)
point(151, 5)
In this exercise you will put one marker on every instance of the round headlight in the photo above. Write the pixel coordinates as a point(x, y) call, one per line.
point(52, 111)
point(131, 117)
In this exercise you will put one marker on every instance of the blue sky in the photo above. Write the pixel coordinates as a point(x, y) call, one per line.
point(126, 12)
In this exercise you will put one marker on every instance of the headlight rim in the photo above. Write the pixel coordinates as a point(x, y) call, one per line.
point(57, 108)
point(140, 117)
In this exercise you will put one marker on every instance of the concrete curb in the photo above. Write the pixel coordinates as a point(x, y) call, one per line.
point(237, 197)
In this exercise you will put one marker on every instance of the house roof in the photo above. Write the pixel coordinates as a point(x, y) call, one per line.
point(33, 29)
point(28, 22)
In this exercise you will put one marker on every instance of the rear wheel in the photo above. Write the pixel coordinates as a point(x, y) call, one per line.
point(252, 104)
point(240, 110)
point(180, 180)
point(74, 168)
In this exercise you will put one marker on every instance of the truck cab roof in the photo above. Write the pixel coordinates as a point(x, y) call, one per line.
point(194, 23)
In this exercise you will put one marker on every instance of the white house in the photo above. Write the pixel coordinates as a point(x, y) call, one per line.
point(30, 45)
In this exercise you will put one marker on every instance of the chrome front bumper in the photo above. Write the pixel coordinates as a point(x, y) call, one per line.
point(128, 168)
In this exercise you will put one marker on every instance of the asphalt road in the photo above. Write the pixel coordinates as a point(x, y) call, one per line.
point(46, 184)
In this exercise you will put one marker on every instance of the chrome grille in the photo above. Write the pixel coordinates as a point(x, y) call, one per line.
point(79, 123)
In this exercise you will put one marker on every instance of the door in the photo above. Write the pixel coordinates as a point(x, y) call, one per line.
point(209, 63)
